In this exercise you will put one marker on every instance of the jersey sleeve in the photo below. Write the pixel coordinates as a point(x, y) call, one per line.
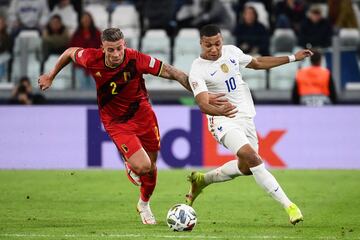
point(197, 82)
point(82, 56)
point(148, 64)
point(244, 59)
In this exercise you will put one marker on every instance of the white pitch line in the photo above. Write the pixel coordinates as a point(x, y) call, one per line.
point(190, 235)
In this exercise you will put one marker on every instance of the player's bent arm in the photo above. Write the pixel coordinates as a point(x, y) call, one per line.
point(202, 99)
point(267, 62)
point(270, 62)
point(46, 80)
point(172, 73)
point(63, 60)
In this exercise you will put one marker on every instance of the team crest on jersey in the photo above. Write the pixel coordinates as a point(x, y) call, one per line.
point(127, 76)
point(98, 74)
point(124, 148)
point(224, 68)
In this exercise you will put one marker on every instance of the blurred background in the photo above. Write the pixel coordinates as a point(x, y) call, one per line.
point(295, 122)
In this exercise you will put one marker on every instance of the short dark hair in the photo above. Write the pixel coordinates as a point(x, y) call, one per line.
point(209, 30)
point(112, 35)
point(315, 59)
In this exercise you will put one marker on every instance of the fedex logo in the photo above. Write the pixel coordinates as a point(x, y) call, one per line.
point(203, 148)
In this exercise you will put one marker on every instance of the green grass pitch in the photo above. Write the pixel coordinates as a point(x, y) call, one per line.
point(100, 204)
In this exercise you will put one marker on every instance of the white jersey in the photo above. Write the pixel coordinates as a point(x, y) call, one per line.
point(223, 76)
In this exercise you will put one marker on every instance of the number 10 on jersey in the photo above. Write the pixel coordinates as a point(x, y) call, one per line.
point(230, 84)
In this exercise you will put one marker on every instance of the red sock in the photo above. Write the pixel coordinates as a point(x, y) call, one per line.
point(148, 183)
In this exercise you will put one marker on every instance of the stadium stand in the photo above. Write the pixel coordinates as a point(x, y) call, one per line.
point(26, 54)
point(64, 79)
point(100, 15)
point(186, 48)
point(180, 46)
point(126, 18)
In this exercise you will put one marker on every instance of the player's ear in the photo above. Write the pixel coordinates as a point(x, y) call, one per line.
point(102, 48)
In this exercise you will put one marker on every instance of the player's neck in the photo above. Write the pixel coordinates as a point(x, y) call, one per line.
point(107, 64)
point(203, 56)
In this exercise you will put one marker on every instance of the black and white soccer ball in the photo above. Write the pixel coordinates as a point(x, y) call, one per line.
point(181, 217)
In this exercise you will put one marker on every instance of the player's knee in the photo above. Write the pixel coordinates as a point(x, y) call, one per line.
point(142, 169)
point(244, 168)
point(145, 169)
point(249, 158)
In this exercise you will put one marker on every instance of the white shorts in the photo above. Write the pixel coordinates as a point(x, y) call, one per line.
point(234, 133)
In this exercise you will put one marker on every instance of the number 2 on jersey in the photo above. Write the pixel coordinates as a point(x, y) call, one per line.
point(230, 84)
point(113, 91)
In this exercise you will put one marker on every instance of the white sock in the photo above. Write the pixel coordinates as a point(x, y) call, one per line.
point(226, 172)
point(267, 181)
point(142, 203)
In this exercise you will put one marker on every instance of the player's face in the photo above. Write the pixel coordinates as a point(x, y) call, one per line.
point(211, 47)
point(114, 52)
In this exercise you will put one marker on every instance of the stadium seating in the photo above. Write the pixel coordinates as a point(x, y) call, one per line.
point(157, 44)
point(283, 40)
point(63, 79)
point(283, 77)
point(4, 61)
point(228, 37)
point(263, 15)
point(256, 79)
point(187, 48)
point(349, 37)
point(100, 15)
point(26, 54)
point(126, 18)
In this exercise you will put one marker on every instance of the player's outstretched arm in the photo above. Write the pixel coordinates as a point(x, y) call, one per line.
point(46, 79)
point(226, 109)
point(270, 62)
point(172, 73)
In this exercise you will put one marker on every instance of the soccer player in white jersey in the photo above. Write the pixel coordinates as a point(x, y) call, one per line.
point(217, 70)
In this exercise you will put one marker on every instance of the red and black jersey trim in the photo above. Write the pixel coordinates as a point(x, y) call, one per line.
point(75, 54)
point(130, 112)
point(160, 68)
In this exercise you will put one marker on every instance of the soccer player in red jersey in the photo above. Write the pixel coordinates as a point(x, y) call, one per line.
point(124, 107)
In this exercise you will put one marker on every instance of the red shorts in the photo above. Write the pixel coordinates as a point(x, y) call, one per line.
point(137, 133)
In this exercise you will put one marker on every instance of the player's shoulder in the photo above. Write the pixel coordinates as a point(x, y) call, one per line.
point(131, 53)
point(92, 51)
point(92, 55)
point(197, 64)
point(231, 49)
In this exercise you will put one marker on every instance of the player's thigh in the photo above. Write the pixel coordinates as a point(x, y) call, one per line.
point(130, 146)
point(234, 140)
point(250, 132)
point(150, 139)
point(238, 142)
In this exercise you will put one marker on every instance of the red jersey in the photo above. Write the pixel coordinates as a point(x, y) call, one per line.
point(121, 90)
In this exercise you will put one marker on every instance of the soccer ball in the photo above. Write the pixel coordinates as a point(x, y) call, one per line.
point(181, 217)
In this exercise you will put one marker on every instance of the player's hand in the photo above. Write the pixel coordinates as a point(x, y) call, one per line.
point(217, 99)
point(228, 110)
point(44, 82)
point(300, 55)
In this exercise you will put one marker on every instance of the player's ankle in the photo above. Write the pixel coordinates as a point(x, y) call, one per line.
point(143, 203)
